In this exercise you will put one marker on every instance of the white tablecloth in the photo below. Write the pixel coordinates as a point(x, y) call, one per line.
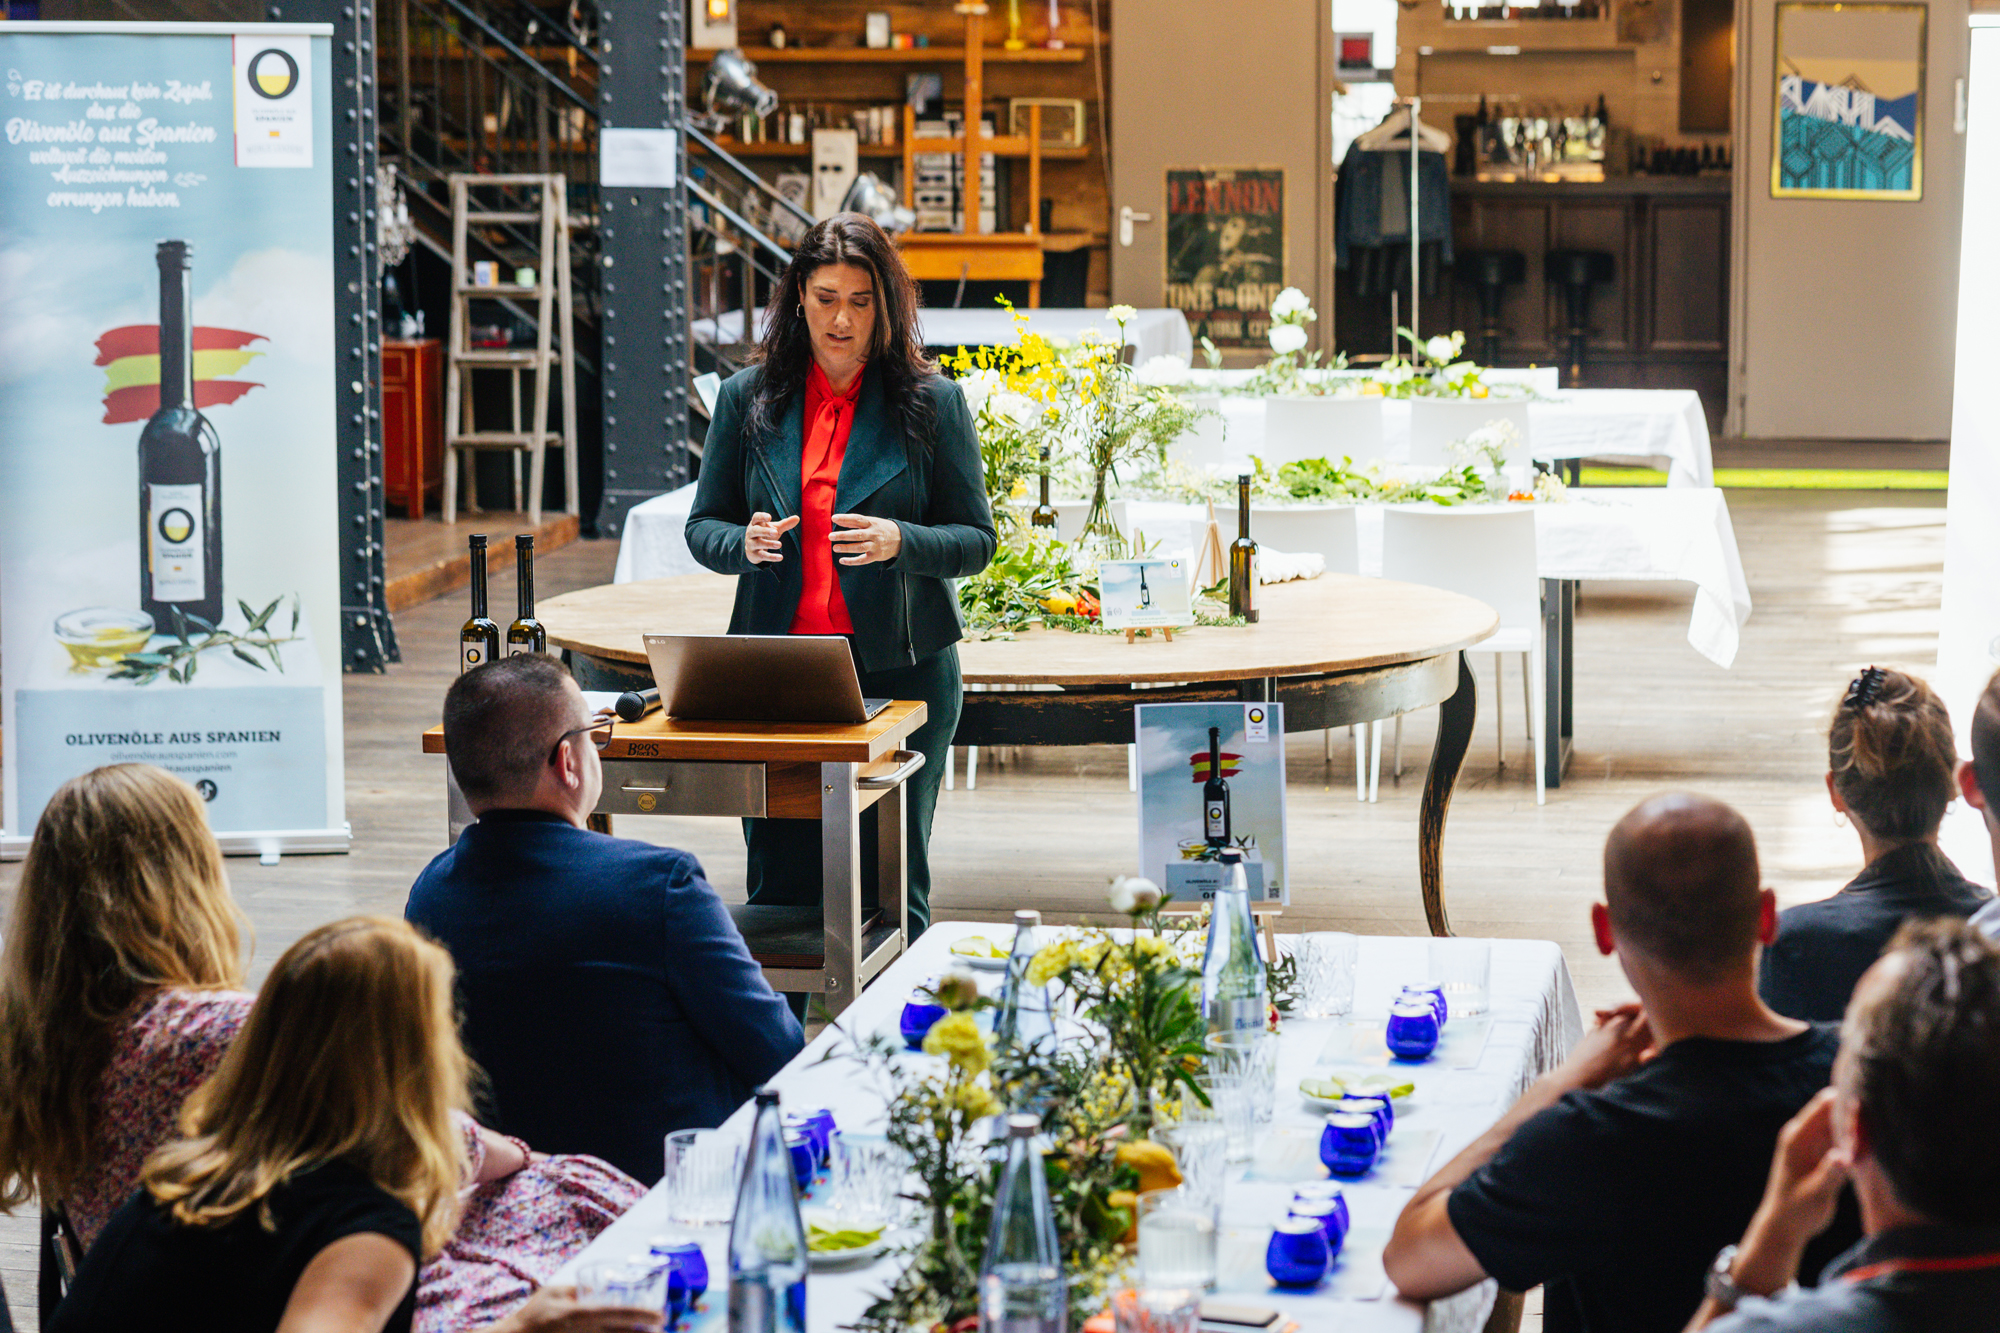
point(1152, 332)
point(1671, 534)
point(1664, 428)
point(1534, 1021)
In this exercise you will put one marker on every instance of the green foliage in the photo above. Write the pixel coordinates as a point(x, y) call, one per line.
point(178, 660)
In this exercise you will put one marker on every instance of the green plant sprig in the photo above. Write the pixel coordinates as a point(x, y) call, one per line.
point(178, 660)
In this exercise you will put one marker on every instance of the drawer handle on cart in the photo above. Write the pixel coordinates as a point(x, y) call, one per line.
point(908, 762)
point(640, 786)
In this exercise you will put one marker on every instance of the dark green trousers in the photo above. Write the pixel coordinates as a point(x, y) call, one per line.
point(784, 854)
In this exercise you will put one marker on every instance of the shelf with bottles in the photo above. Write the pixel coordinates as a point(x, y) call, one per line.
point(1006, 148)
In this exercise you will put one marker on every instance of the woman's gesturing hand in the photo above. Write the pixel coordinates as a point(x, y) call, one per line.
point(861, 540)
point(763, 540)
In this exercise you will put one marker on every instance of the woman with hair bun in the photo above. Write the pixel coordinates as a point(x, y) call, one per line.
point(1891, 770)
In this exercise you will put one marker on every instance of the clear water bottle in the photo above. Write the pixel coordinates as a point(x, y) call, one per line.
point(1023, 1015)
point(1021, 1283)
point(1232, 972)
point(767, 1238)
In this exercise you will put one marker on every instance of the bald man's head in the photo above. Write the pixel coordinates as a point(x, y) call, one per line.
point(1682, 886)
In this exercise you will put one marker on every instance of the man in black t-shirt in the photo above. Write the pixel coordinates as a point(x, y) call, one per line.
point(1617, 1177)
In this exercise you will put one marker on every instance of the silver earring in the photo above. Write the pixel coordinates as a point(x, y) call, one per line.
point(802, 310)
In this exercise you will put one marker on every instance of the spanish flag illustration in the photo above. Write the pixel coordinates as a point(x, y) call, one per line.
point(131, 360)
point(1198, 762)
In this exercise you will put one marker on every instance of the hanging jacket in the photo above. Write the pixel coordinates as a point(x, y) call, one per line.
point(1372, 201)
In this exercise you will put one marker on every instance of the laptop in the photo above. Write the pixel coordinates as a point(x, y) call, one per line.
point(758, 678)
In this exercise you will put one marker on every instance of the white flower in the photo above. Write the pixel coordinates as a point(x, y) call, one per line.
point(1010, 406)
point(1291, 301)
point(1287, 338)
point(979, 386)
point(1440, 349)
point(1398, 374)
point(1458, 370)
point(1134, 893)
point(1122, 314)
point(1163, 371)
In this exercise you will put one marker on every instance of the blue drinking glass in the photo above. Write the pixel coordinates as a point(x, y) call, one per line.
point(1349, 1144)
point(1413, 1030)
point(824, 1129)
point(677, 1294)
point(1378, 1107)
point(689, 1260)
point(1298, 1255)
point(1326, 1189)
point(919, 1017)
point(1331, 1214)
point(805, 1155)
point(1432, 996)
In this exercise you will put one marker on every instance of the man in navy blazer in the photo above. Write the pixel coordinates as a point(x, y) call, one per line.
point(606, 993)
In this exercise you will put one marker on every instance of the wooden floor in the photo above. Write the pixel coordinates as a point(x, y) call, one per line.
point(1838, 580)
point(427, 558)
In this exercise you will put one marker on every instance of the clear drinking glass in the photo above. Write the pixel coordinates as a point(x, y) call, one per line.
point(703, 1166)
point(1200, 1146)
point(1157, 1310)
point(1177, 1239)
point(866, 1182)
point(1326, 974)
point(620, 1282)
point(1465, 969)
point(1255, 1054)
point(1230, 1105)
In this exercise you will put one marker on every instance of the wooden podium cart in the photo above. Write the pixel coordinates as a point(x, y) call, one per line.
point(829, 772)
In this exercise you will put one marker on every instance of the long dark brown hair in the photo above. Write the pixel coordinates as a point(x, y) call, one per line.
point(896, 351)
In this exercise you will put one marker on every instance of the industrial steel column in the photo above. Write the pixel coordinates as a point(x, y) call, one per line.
point(367, 638)
point(643, 232)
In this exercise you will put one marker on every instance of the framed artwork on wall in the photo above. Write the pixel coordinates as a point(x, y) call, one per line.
point(1226, 250)
point(1849, 101)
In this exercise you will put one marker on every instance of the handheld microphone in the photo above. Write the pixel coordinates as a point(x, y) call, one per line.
point(635, 704)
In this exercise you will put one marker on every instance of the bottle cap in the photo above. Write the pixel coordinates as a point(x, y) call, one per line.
point(767, 1096)
point(1245, 478)
point(1230, 856)
point(1023, 1126)
point(524, 541)
point(1025, 917)
point(478, 541)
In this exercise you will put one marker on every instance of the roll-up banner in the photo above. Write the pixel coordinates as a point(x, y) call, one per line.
point(168, 517)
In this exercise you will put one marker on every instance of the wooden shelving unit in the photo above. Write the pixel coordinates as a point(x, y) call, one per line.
point(918, 55)
point(1004, 147)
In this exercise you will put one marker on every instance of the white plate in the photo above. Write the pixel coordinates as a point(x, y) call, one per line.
point(982, 964)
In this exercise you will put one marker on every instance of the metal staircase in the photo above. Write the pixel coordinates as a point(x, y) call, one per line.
point(511, 87)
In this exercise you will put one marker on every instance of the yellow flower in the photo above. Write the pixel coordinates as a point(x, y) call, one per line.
point(957, 1036)
point(975, 1101)
point(1052, 960)
point(1151, 946)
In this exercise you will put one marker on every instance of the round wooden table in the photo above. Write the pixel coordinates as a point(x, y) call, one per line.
point(1335, 650)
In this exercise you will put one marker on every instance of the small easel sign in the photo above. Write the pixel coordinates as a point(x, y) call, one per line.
point(1147, 594)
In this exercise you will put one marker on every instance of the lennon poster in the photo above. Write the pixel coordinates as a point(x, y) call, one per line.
point(1226, 250)
point(168, 502)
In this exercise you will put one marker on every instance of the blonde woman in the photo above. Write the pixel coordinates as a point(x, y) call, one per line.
point(120, 988)
point(321, 1166)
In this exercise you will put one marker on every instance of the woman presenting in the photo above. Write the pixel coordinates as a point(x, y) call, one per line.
point(841, 480)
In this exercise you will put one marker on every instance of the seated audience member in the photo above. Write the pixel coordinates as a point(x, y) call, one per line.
point(1979, 783)
point(607, 994)
point(1909, 1120)
point(322, 1163)
point(116, 1002)
point(1891, 770)
point(121, 987)
point(1616, 1177)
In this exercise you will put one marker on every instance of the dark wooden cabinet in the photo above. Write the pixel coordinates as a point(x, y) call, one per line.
point(1662, 322)
point(412, 422)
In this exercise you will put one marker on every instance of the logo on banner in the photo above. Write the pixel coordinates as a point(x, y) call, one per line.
point(273, 101)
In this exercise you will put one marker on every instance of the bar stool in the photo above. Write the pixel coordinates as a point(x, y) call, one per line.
point(1578, 271)
point(1492, 272)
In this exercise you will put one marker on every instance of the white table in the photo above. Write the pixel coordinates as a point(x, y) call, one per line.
point(1534, 1021)
point(1664, 428)
point(1151, 332)
point(1646, 533)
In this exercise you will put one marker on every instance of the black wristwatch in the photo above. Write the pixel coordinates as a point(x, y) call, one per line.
point(1719, 1284)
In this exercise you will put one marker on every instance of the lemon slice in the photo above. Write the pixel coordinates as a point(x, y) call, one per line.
point(852, 1238)
point(976, 946)
point(1384, 1085)
point(1325, 1089)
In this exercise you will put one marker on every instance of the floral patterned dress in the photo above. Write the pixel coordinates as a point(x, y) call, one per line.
point(513, 1233)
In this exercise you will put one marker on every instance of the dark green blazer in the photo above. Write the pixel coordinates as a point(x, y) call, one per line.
point(903, 609)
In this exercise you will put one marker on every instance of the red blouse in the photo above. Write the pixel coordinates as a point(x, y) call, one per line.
point(829, 416)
